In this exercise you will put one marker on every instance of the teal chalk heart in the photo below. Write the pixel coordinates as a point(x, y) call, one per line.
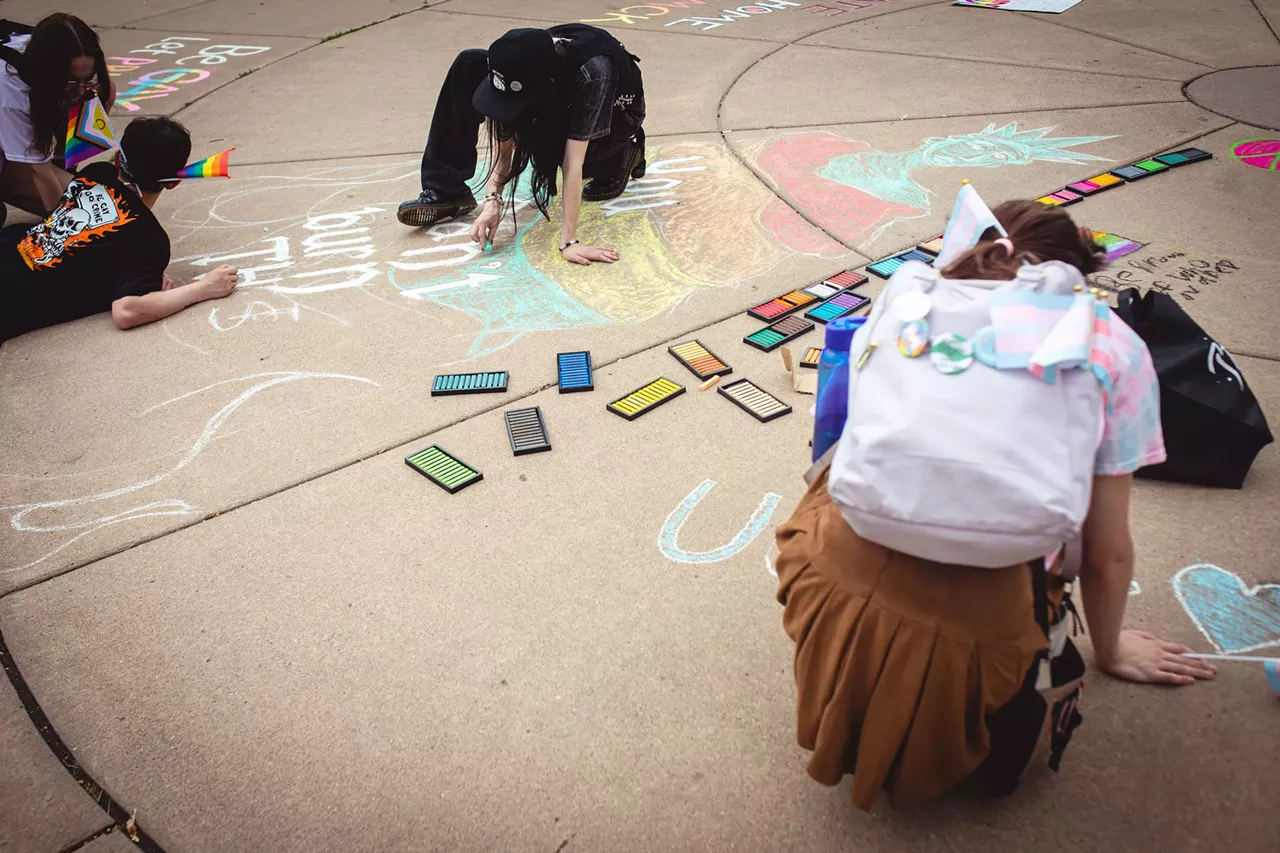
point(1232, 616)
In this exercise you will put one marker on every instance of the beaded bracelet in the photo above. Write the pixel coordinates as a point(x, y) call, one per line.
point(567, 245)
point(492, 197)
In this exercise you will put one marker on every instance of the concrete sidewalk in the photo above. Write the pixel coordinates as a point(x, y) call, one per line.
point(247, 619)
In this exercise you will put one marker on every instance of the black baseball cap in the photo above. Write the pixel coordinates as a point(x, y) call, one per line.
point(521, 64)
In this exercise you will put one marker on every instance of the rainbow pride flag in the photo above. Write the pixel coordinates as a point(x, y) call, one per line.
point(217, 166)
point(89, 132)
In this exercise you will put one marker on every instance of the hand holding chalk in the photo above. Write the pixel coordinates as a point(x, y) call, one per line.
point(485, 227)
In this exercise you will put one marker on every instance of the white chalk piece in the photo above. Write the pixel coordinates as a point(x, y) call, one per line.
point(1270, 666)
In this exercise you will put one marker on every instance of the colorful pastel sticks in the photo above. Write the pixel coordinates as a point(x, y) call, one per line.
point(932, 247)
point(526, 430)
point(839, 305)
point(574, 370)
point(443, 468)
point(646, 398)
point(448, 384)
point(753, 399)
point(781, 306)
point(1096, 184)
point(1061, 197)
point(702, 362)
point(1125, 174)
point(771, 337)
point(889, 266)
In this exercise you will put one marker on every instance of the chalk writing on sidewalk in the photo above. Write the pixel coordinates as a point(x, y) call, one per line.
point(714, 18)
point(668, 537)
point(161, 82)
point(1174, 273)
point(834, 8)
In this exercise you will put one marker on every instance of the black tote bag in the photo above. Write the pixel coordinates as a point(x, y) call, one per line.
point(1213, 425)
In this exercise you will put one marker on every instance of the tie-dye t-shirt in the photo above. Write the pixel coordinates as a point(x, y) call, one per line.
point(1131, 436)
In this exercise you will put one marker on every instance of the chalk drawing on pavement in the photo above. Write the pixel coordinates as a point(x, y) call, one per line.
point(1231, 616)
point(669, 535)
point(856, 192)
point(690, 225)
point(25, 518)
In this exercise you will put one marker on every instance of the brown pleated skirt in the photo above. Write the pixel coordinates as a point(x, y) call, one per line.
point(899, 660)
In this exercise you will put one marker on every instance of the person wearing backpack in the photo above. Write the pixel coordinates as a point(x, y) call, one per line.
point(566, 99)
point(44, 71)
point(997, 412)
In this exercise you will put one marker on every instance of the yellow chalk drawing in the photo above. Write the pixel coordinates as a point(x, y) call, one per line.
point(690, 224)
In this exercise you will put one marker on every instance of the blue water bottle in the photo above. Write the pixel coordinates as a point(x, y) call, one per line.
point(833, 384)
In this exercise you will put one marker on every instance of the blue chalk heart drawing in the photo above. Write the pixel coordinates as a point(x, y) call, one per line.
point(1230, 615)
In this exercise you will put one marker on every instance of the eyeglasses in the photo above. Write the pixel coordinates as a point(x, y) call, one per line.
point(77, 87)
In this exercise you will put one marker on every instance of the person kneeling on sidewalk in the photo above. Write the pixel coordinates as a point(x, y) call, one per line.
point(102, 249)
point(926, 575)
point(568, 98)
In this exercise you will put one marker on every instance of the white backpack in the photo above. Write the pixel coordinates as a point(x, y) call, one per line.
point(983, 465)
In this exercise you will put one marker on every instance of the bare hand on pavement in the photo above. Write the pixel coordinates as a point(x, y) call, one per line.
point(1144, 657)
point(586, 255)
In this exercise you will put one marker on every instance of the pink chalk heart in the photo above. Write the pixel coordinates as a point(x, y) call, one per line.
point(1258, 153)
point(1263, 162)
point(1233, 617)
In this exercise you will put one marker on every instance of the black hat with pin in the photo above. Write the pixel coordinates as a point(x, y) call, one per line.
point(521, 65)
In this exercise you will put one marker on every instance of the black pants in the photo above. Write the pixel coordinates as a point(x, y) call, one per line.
point(449, 160)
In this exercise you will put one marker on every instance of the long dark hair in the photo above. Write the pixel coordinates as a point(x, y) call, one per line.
point(1039, 233)
point(56, 41)
point(540, 136)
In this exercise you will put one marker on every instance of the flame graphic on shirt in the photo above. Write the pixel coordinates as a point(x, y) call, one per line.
point(87, 212)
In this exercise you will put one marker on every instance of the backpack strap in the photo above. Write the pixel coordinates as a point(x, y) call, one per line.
point(9, 29)
point(15, 59)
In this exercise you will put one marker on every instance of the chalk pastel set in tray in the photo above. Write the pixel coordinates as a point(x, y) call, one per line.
point(1070, 194)
point(840, 305)
point(527, 427)
point(889, 266)
point(931, 247)
point(1073, 193)
point(806, 297)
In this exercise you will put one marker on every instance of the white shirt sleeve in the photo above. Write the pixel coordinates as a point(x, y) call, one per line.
point(16, 134)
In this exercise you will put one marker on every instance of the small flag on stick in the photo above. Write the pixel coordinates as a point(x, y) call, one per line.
point(89, 132)
point(969, 218)
point(217, 166)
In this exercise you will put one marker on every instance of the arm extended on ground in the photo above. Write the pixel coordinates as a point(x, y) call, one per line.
point(1105, 578)
point(131, 311)
point(485, 228)
point(575, 154)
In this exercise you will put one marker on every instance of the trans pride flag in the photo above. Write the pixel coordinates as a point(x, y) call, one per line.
point(89, 132)
point(969, 218)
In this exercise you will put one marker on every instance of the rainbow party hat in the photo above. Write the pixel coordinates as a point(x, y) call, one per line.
point(89, 132)
point(217, 166)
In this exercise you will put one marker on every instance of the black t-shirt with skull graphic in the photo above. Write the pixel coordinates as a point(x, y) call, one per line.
point(100, 243)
